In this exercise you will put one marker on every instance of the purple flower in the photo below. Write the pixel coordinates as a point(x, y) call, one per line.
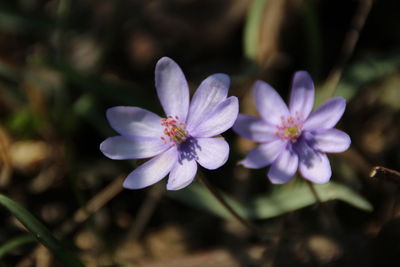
point(293, 137)
point(180, 140)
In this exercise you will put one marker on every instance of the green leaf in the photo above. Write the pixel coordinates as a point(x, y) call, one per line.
point(359, 74)
point(290, 197)
point(198, 196)
point(366, 71)
point(16, 242)
point(283, 199)
point(40, 232)
point(252, 29)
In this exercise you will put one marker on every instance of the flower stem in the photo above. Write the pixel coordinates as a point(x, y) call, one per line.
point(314, 192)
point(225, 204)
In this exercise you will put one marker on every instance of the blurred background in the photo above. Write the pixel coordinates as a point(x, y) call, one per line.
point(63, 63)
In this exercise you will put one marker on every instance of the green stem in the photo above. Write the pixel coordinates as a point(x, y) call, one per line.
point(314, 192)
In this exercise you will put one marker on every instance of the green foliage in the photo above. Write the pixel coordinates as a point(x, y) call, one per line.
point(290, 197)
point(366, 71)
point(283, 199)
point(24, 123)
point(40, 232)
point(252, 29)
point(16, 242)
point(198, 196)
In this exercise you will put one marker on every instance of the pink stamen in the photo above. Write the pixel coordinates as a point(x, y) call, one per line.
point(290, 128)
point(174, 130)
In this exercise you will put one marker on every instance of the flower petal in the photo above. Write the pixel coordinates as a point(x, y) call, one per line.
point(128, 147)
point(313, 165)
point(302, 94)
point(212, 153)
point(182, 174)
point(263, 155)
point(152, 170)
point(254, 128)
point(134, 121)
point(219, 120)
point(331, 140)
point(269, 103)
point(327, 115)
point(172, 88)
point(284, 167)
point(210, 93)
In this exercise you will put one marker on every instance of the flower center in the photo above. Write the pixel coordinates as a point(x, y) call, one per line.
point(290, 128)
point(174, 130)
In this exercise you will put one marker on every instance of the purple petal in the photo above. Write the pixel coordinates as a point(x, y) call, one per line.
point(313, 165)
point(302, 95)
point(210, 93)
point(269, 103)
point(212, 153)
point(331, 140)
point(134, 121)
point(172, 88)
point(254, 128)
point(128, 147)
point(152, 170)
point(327, 115)
point(284, 167)
point(219, 120)
point(182, 174)
point(263, 155)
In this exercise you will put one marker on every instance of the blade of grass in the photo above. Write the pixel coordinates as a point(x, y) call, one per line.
point(40, 232)
point(252, 29)
point(16, 242)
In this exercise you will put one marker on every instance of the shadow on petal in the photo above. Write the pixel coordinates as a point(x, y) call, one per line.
point(187, 150)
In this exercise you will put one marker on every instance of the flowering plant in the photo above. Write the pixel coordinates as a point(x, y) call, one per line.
point(293, 137)
point(185, 137)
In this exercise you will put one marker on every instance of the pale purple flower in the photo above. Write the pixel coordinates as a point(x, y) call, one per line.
point(180, 140)
point(293, 137)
